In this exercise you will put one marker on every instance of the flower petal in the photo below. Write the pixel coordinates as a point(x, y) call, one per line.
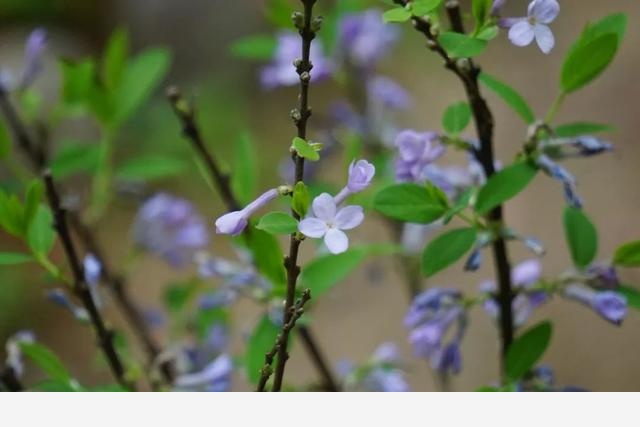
point(232, 223)
point(324, 207)
point(349, 217)
point(545, 11)
point(521, 34)
point(312, 227)
point(544, 38)
point(336, 241)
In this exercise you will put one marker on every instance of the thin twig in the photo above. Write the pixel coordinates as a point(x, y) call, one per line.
point(81, 290)
point(296, 312)
point(10, 380)
point(186, 113)
point(468, 73)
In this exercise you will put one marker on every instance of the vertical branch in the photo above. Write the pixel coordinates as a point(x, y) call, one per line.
point(468, 74)
point(81, 290)
point(301, 116)
point(9, 379)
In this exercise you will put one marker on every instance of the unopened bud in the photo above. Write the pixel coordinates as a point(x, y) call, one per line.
point(298, 20)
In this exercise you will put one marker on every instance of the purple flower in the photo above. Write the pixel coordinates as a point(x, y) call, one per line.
point(431, 315)
point(235, 222)
point(380, 374)
point(171, 228)
point(496, 6)
point(522, 31)
point(609, 305)
point(387, 93)
point(562, 175)
point(603, 276)
point(61, 299)
point(92, 269)
point(281, 71)
point(415, 152)
point(329, 222)
point(34, 51)
point(523, 276)
point(361, 173)
point(215, 377)
point(14, 354)
point(363, 38)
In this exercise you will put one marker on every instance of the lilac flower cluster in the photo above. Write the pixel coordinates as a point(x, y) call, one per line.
point(522, 31)
point(431, 317)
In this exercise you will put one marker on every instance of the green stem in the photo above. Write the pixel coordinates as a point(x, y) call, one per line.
point(102, 181)
point(555, 107)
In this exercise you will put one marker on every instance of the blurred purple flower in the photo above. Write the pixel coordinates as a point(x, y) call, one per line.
point(34, 50)
point(603, 276)
point(496, 6)
point(522, 31)
point(562, 175)
point(282, 72)
point(329, 222)
point(609, 305)
point(415, 152)
point(380, 374)
point(363, 38)
point(215, 377)
point(524, 276)
point(170, 227)
point(235, 222)
point(92, 272)
point(14, 354)
point(388, 93)
point(61, 299)
point(431, 315)
point(361, 173)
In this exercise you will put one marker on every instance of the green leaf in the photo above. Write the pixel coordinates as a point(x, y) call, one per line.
point(261, 47)
point(615, 23)
point(115, 58)
point(571, 130)
point(33, 197)
point(587, 61)
point(581, 236)
point(73, 157)
point(424, 7)
point(245, 165)
point(527, 349)
point(410, 203)
point(461, 45)
point(11, 214)
point(41, 235)
point(504, 185)
point(141, 77)
point(178, 294)
point(79, 90)
point(456, 118)
point(150, 167)
point(55, 386)
point(267, 255)
point(509, 96)
point(461, 204)
point(14, 258)
point(278, 223)
point(261, 341)
point(278, 13)
point(446, 249)
point(304, 149)
point(480, 10)
point(399, 14)
point(314, 275)
point(46, 360)
point(488, 32)
point(301, 199)
point(628, 255)
point(5, 141)
point(632, 295)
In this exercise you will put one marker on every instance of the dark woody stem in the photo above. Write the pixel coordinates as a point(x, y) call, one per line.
point(187, 116)
point(468, 72)
point(80, 289)
point(9, 379)
point(300, 117)
point(35, 154)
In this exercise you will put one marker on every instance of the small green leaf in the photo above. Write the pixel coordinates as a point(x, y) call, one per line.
point(46, 360)
point(488, 32)
point(278, 223)
point(150, 167)
point(461, 204)
point(261, 341)
point(245, 165)
point(615, 23)
point(314, 275)
point(509, 96)
point(526, 350)
point(32, 200)
point(304, 149)
point(5, 141)
point(571, 130)
point(177, 295)
point(11, 214)
point(115, 58)
point(261, 47)
point(14, 258)
point(461, 45)
point(267, 255)
point(628, 255)
point(446, 249)
point(140, 78)
point(410, 203)
point(456, 118)
point(278, 13)
point(399, 14)
point(581, 236)
point(301, 199)
point(73, 157)
point(424, 7)
point(504, 185)
point(480, 10)
point(41, 235)
point(632, 295)
point(587, 61)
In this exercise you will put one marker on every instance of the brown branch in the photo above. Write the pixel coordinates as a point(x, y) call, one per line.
point(9, 379)
point(468, 73)
point(295, 313)
point(80, 289)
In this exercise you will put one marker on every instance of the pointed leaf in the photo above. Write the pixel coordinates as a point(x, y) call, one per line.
point(446, 249)
point(581, 236)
